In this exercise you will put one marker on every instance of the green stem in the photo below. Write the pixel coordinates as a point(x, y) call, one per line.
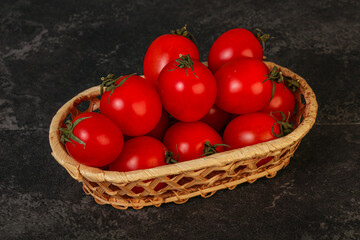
point(67, 133)
point(276, 76)
point(185, 33)
point(261, 36)
point(211, 149)
point(170, 157)
point(109, 83)
point(184, 62)
point(285, 126)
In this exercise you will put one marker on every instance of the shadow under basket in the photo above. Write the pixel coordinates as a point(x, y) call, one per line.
point(181, 181)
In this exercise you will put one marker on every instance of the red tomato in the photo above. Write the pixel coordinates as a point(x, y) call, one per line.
point(250, 129)
point(233, 44)
point(241, 88)
point(140, 153)
point(134, 106)
point(102, 140)
point(282, 101)
point(188, 139)
point(216, 118)
point(160, 129)
point(187, 94)
point(163, 50)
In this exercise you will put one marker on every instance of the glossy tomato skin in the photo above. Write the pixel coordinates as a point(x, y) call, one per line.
point(283, 101)
point(160, 129)
point(163, 50)
point(102, 137)
point(250, 129)
point(140, 153)
point(234, 44)
point(189, 139)
point(134, 106)
point(216, 118)
point(185, 96)
point(241, 86)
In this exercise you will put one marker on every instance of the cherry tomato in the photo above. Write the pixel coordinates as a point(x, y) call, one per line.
point(282, 101)
point(187, 94)
point(140, 153)
point(216, 118)
point(188, 140)
point(160, 129)
point(241, 86)
point(134, 106)
point(233, 44)
point(163, 50)
point(250, 129)
point(101, 140)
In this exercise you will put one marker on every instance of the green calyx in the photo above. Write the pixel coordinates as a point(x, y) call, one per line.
point(109, 83)
point(185, 33)
point(211, 149)
point(67, 133)
point(285, 126)
point(261, 36)
point(276, 76)
point(184, 62)
point(170, 157)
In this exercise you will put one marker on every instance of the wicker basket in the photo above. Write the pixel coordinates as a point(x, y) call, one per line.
point(184, 180)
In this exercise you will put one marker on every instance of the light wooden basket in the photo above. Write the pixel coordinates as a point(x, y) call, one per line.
point(184, 180)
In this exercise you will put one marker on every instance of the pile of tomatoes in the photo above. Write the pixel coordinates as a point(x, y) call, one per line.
point(181, 109)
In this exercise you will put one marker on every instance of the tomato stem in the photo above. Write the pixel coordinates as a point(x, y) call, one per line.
point(67, 133)
point(261, 36)
point(109, 83)
point(285, 126)
point(184, 62)
point(276, 76)
point(170, 158)
point(185, 33)
point(211, 149)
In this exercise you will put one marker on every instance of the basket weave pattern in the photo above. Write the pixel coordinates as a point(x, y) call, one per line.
point(184, 180)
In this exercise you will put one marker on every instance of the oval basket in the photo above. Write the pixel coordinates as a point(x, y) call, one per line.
point(183, 180)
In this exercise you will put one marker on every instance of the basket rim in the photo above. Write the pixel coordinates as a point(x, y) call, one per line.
point(79, 171)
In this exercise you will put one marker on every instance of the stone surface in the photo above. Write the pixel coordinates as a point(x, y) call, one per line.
point(52, 50)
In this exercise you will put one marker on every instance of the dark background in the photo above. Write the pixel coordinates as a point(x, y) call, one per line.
point(52, 50)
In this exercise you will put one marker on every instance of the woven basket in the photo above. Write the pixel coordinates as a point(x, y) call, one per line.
point(184, 180)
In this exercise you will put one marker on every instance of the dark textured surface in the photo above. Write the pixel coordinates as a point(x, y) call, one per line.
point(51, 50)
